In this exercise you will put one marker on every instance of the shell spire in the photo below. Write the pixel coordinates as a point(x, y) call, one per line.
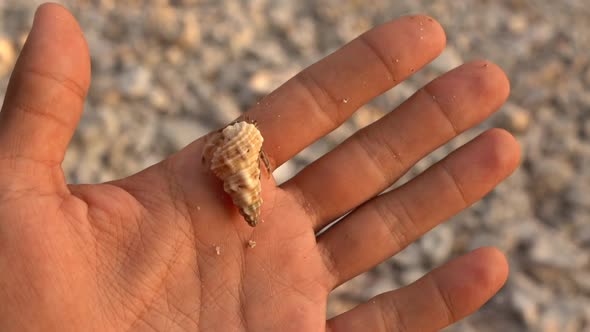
point(234, 154)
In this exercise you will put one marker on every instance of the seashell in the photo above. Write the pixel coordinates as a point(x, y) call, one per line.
point(234, 154)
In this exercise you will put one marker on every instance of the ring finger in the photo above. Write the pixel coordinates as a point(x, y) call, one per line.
point(390, 222)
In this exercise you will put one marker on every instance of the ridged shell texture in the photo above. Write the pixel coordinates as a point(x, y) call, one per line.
point(235, 160)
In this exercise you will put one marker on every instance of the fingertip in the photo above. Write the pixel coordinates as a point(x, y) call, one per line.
point(54, 9)
point(428, 31)
point(487, 81)
point(409, 42)
point(502, 79)
point(489, 268)
point(504, 151)
point(433, 28)
point(474, 278)
point(46, 92)
point(53, 12)
point(470, 93)
point(57, 35)
point(495, 81)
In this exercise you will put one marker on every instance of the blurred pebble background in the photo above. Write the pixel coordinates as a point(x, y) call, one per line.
point(167, 72)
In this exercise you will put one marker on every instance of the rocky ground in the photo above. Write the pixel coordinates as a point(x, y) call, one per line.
point(166, 72)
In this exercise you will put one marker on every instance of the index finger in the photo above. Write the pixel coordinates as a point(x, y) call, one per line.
point(323, 96)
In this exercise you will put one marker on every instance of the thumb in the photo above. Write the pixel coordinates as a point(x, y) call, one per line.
point(46, 93)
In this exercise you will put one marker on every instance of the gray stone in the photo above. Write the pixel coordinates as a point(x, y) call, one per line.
point(164, 22)
point(135, 82)
point(527, 298)
point(438, 244)
point(582, 280)
point(558, 251)
point(380, 284)
point(190, 38)
point(561, 317)
point(409, 257)
point(527, 307)
point(159, 99)
point(518, 23)
point(225, 109)
point(449, 59)
point(587, 76)
point(552, 175)
point(410, 275)
point(182, 131)
point(514, 118)
point(366, 115)
point(285, 172)
point(265, 81)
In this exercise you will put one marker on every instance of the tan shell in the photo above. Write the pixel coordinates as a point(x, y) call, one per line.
point(234, 154)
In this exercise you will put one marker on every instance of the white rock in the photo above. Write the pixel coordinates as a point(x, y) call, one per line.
point(285, 172)
point(438, 244)
point(135, 82)
point(552, 175)
point(449, 59)
point(558, 251)
point(7, 56)
point(527, 307)
point(411, 256)
point(561, 317)
point(165, 23)
point(181, 132)
point(190, 37)
point(514, 118)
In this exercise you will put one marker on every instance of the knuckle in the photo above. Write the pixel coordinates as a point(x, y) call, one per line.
point(441, 108)
point(380, 55)
point(325, 104)
point(446, 303)
point(380, 152)
point(65, 82)
point(390, 314)
point(40, 112)
point(399, 223)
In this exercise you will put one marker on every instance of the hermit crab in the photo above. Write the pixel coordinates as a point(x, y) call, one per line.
point(233, 154)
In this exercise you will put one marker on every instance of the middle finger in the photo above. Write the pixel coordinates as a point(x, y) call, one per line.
point(376, 156)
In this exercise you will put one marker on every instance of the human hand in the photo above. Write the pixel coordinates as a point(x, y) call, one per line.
point(140, 253)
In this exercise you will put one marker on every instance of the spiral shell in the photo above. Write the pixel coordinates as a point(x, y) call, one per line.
point(234, 154)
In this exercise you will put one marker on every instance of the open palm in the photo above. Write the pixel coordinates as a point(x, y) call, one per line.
point(165, 249)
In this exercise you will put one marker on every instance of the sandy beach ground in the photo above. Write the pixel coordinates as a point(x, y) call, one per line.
point(167, 72)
